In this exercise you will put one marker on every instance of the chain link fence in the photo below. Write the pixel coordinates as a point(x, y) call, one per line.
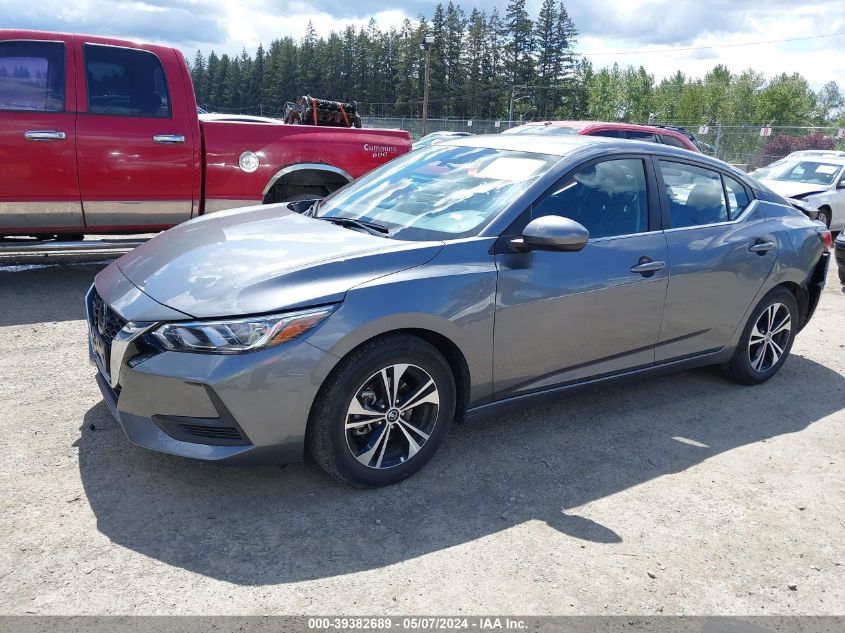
point(753, 146)
point(414, 125)
point(748, 146)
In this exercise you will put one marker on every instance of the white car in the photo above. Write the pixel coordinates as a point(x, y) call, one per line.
point(816, 177)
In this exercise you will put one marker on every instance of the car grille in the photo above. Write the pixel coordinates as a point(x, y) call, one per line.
point(104, 320)
point(213, 432)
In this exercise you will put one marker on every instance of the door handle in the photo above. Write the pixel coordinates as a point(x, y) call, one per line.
point(760, 247)
point(647, 266)
point(168, 139)
point(44, 135)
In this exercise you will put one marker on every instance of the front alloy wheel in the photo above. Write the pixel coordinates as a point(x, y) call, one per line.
point(383, 411)
point(392, 416)
point(824, 216)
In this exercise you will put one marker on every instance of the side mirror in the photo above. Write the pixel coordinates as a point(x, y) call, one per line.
point(552, 233)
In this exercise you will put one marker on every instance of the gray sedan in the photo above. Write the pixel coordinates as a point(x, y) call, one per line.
point(459, 277)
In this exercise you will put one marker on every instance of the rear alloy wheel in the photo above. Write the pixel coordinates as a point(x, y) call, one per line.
point(766, 340)
point(383, 413)
point(769, 337)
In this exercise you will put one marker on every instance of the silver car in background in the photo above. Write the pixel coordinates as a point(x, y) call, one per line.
point(816, 178)
point(463, 276)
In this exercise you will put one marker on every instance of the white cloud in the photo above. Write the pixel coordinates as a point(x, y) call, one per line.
point(723, 28)
point(606, 26)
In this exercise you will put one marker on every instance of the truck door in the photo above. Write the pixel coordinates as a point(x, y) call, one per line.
point(135, 145)
point(39, 192)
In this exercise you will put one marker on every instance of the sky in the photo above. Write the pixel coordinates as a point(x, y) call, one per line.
point(637, 32)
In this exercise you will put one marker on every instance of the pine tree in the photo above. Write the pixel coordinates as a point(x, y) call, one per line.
point(519, 47)
point(473, 62)
point(212, 69)
point(437, 76)
point(548, 57)
point(453, 67)
point(198, 77)
point(254, 92)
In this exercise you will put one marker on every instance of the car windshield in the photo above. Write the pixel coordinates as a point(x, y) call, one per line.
point(440, 192)
point(800, 171)
point(546, 130)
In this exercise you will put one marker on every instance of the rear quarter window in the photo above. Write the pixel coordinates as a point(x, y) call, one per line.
point(637, 135)
point(608, 133)
point(671, 140)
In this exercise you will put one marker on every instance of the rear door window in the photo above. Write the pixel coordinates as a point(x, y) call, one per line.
point(694, 194)
point(125, 82)
point(32, 76)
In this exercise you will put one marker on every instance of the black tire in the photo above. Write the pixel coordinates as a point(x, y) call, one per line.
point(824, 216)
point(331, 443)
point(741, 369)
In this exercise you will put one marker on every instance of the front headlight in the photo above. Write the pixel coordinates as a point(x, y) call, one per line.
point(232, 336)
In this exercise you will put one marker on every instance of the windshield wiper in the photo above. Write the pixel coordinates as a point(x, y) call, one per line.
point(311, 211)
point(372, 228)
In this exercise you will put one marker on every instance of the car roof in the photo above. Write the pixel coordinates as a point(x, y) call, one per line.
point(611, 125)
point(590, 146)
point(828, 155)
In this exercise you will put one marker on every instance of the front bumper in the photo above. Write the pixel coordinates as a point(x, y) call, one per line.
point(247, 408)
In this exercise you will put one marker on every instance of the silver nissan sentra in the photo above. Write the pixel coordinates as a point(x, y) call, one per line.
point(455, 278)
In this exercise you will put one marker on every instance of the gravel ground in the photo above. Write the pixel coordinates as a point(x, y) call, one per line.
point(682, 495)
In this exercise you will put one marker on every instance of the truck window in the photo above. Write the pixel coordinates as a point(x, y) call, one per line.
point(125, 82)
point(32, 76)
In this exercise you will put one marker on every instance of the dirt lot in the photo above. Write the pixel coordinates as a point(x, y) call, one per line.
point(686, 494)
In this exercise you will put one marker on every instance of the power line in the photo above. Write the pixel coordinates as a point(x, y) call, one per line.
point(703, 48)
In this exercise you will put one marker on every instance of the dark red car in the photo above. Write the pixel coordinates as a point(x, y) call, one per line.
point(676, 137)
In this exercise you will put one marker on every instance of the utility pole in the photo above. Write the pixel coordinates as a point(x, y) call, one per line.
point(426, 46)
point(512, 101)
point(510, 107)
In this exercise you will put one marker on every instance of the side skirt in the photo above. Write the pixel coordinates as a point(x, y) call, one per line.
point(634, 375)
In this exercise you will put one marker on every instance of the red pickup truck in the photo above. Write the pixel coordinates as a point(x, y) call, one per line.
point(99, 135)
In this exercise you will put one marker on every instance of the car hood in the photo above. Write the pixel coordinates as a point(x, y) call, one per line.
point(262, 259)
point(792, 189)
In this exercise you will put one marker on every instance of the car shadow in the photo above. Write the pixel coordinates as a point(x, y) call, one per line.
point(65, 284)
point(269, 525)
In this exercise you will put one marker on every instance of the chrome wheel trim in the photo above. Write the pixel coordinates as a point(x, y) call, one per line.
point(769, 337)
point(391, 416)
